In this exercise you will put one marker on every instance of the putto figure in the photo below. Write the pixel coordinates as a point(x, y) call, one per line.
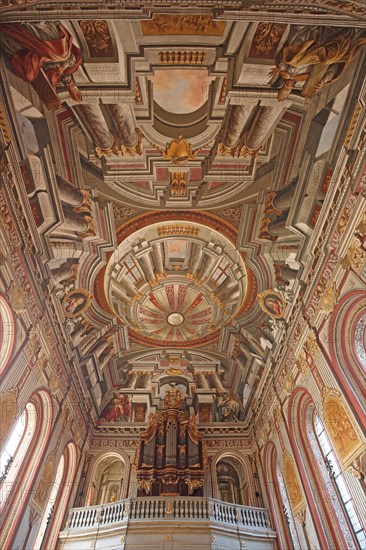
point(313, 58)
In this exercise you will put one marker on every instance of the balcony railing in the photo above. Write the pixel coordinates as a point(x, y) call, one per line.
point(169, 508)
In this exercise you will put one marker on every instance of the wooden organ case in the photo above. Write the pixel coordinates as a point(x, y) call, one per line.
point(171, 457)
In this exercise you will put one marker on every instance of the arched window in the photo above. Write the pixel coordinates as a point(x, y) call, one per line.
point(7, 333)
point(347, 336)
point(329, 518)
point(54, 510)
point(50, 505)
point(108, 474)
point(17, 487)
point(279, 506)
point(108, 480)
point(16, 449)
point(287, 509)
point(228, 481)
point(337, 475)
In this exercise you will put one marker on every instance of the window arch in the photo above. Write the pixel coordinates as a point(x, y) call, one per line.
point(57, 501)
point(15, 450)
point(231, 466)
point(49, 508)
point(347, 335)
point(326, 510)
point(279, 505)
point(95, 492)
point(340, 482)
point(7, 333)
point(228, 481)
point(18, 489)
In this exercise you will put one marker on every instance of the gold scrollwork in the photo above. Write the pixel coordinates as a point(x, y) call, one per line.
point(193, 484)
point(267, 35)
point(347, 442)
point(97, 34)
point(293, 485)
point(145, 484)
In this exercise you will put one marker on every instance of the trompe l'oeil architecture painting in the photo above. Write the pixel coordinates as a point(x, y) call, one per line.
point(182, 275)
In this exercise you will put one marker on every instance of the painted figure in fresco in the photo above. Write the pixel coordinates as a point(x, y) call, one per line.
point(274, 306)
point(76, 301)
point(42, 45)
point(226, 408)
point(315, 57)
point(73, 304)
point(117, 410)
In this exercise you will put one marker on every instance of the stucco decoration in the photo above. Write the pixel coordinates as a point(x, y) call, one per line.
point(346, 439)
point(293, 485)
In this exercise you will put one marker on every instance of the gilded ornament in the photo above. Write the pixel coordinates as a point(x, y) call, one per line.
point(178, 184)
point(176, 229)
point(16, 298)
point(346, 440)
point(179, 151)
point(193, 484)
point(267, 35)
point(9, 410)
point(358, 466)
point(174, 372)
point(113, 150)
point(352, 125)
point(289, 384)
point(293, 485)
point(135, 149)
point(40, 364)
point(311, 345)
point(355, 257)
point(169, 510)
point(76, 302)
point(96, 34)
point(33, 344)
point(4, 126)
point(145, 484)
point(173, 398)
point(272, 303)
point(201, 24)
point(241, 150)
point(45, 480)
point(329, 300)
point(302, 364)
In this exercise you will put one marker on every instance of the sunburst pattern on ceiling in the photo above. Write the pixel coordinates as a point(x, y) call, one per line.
point(175, 283)
point(176, 311)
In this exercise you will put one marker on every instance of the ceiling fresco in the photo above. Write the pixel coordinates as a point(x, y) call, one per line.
point(176, 164)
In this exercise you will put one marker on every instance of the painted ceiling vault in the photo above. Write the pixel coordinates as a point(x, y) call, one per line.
point(175, 164)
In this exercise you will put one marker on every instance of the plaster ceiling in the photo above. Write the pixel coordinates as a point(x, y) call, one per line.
point(176, 284)
point(172, 186)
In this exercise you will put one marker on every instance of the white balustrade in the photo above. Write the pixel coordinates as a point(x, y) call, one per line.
point(152, 508)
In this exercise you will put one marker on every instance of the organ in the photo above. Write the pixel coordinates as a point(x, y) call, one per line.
point(171, 457)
